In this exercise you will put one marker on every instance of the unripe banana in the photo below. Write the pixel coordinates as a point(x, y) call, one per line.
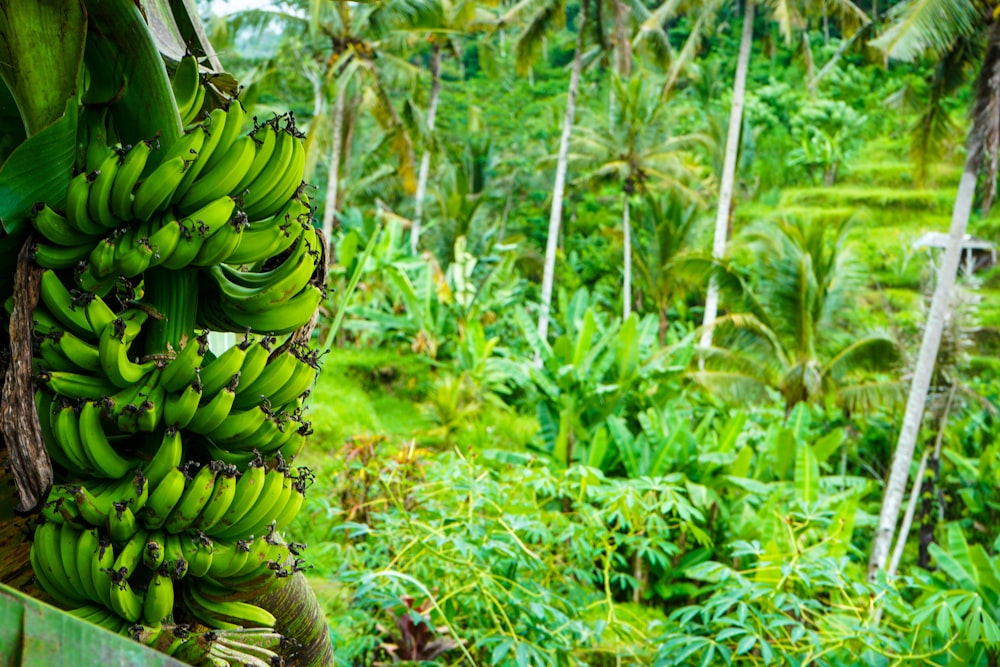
point(127, 178)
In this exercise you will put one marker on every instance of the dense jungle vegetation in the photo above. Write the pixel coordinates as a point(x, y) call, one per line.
point(612, 485)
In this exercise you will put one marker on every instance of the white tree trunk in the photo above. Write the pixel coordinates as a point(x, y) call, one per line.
point(896, 486)
point(333, 180)
point(425, 159)
point(911, 510)
point(627, 264)
point(729, 170)
point(558, 189)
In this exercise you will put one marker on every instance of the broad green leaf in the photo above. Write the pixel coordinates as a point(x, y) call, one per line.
point(598, 449)
point(828, 444)
point(624, 442)
point(732, 431)
point(741, 466)
point(584, 339)
point(806, 474)
point(842, 526)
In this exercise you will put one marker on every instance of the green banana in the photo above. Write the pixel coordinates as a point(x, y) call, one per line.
point(122, 524)
point(266, 139)
point(164, 240)
point(286, 186)
point(238, 426)
point(276, 374)
point(77, 386)
point(287, 317)
point(49, 256)
point(87, 546)
point(249, 487)
point(196, 495)
point(182, 369)
point(214, 129)
point(158, 604)
point(259, 514)
point(235, 163)
point(235, 117)
point(218, 247)
point(179, 408)
point(129, 173)
point(77, 210)
point(168, 456)
point(83, 354)
point(225, 615)
point(220, 372)
point(66, 308)
point(154, 193)
point(115, 342)
point(125, 601)
point(128, 558)
point(163, 497)
point(66, 437)
point(270, 176)
point(155, 552)
point(105, 461)
point(212, 412)
point(185, 85)
point(222, 497)
point(55, 228)
point(99, 197)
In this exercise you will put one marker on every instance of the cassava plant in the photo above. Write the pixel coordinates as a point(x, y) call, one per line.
point(174, 214)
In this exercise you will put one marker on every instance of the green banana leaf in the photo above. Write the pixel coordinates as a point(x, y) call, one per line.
point(34, 634)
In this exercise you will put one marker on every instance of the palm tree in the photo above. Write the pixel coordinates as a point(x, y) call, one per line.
point(449, 21)
point(346, 44)
point(787, 337)
point(663, 233)
point(539, 17)
point(639, 155)
point(941, 26)
point(704, 15)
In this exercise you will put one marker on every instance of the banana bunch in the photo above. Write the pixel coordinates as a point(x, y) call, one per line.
point(173, 459)
point(253, 647)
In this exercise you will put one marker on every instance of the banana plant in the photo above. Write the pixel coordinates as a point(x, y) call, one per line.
point(160, 467)
point(593, 371)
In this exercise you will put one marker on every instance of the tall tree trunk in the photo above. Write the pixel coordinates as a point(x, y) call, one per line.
point(425, 159)
point(627, 264)
point(896, 486)
point(555, 217)
point(333, 180)
point(729, 169)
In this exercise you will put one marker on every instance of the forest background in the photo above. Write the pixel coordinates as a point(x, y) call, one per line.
point(606, 480)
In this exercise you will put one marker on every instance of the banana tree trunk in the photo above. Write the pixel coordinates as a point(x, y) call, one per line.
point(333, 180)
point(558, 189)
point(912, 417)
point(627, 264)
point(425, 159)
point(729, 170)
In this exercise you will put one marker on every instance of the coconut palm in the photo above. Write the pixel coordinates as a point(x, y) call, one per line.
point(664, 226)
point(941, 26)
point(346, 43)
point(448, 21)
point(538, 18)
point(789, 336)
point(639, 155)
point(704, 14)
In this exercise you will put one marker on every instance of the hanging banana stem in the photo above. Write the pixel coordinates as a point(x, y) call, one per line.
point(172, 300)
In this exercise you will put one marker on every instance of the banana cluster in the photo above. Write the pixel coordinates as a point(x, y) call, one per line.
point(174, 465)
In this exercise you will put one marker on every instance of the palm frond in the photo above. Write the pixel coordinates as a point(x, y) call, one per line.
point(548, 16)
point(868, 397)
point(731, 387)
point(704, 20)
point(870, 354)
point(934, 25)
point(786, 13)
